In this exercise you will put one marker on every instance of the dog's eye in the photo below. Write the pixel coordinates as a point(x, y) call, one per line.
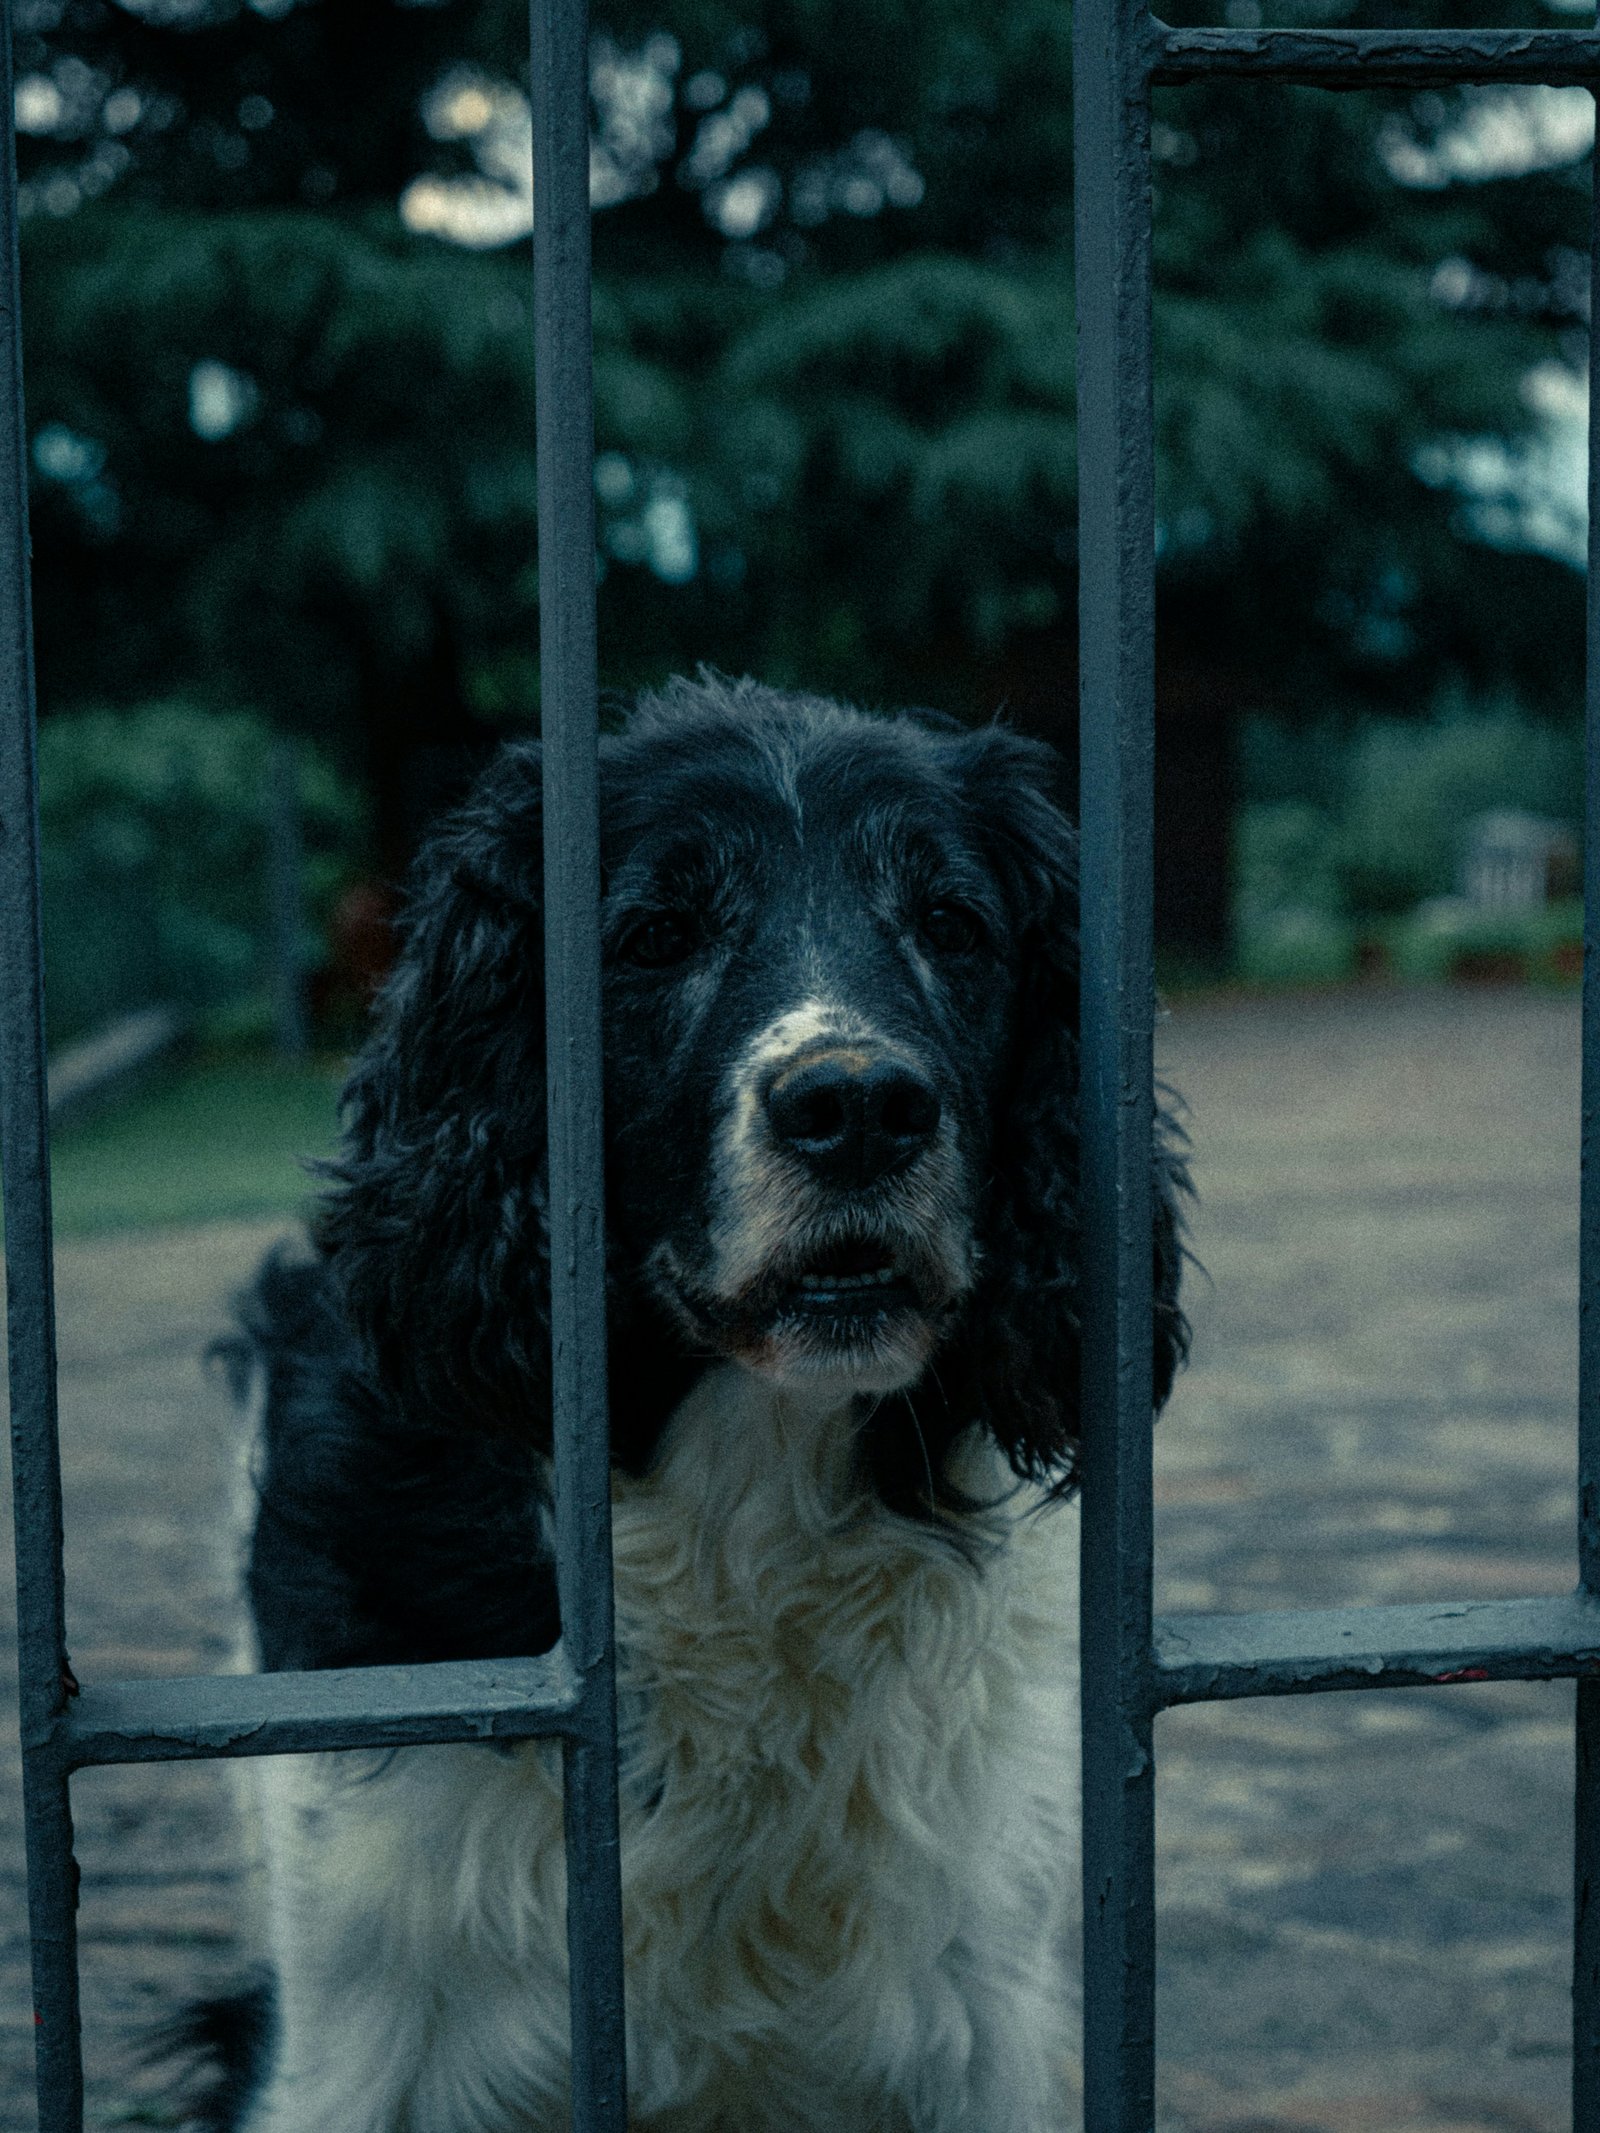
point(659, 941)
point(951, 929)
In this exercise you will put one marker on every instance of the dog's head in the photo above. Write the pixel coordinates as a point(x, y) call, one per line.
point(840, 1011)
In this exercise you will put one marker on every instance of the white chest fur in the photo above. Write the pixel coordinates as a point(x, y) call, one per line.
point(848, 1845)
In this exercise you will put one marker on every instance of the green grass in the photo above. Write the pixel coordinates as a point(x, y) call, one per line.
point(220, 1138)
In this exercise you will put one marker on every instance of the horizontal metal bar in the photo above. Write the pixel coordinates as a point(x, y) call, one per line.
point(1210, 1658)
point(346, 1707)
point(1364, 59)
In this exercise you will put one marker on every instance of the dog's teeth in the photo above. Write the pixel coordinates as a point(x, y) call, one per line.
point(872, 1280)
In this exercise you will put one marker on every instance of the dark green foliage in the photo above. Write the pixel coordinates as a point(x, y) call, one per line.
point(1310, 350)
point(834, 410)
point(367, 502)
point(155, 855)
point(1359, 835)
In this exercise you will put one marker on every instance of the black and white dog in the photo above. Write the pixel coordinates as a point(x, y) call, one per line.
point(840, 1002)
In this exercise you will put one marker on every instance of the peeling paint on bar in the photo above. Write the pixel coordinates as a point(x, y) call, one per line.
point(293, 1714)
point(1213, 1658)
point(42, 1667)
point(1586, 1761)
point(1371, 59)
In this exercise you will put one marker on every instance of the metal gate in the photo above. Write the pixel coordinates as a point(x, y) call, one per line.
point(1132, 1667)
point(569, 1693)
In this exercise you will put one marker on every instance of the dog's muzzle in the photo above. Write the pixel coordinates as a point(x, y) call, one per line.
point(841, 1236)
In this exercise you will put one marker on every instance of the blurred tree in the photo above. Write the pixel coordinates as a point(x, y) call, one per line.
point(280, 379)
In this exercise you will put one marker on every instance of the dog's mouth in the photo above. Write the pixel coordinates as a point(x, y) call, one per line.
point(864, 1307)
point(854, 1279)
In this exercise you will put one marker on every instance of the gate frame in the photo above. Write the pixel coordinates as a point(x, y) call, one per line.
point(570, 1692)
point(1135, 1666)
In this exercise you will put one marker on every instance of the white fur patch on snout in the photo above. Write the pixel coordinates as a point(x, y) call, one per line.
point(764, 1198)
point(760, 1195)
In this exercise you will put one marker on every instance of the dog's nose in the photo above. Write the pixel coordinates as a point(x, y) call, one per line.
point(853, 1119)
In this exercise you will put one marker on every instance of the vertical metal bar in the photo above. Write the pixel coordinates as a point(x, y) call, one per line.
point(1586, 1918)
point(30, 1296)
point(1116, 550)
point(1586, 1865)
point(563, 350)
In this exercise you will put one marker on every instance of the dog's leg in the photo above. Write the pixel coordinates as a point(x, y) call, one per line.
point(416, 1939)
point(1013, 2073)
point(341, 2054)
point(384, 2059)
point(1020, 2073)
point(1015, 1964)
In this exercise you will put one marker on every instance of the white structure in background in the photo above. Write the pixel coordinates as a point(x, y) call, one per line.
point(1512, 861)
point(634, 93)
point(494, 204)
point(1534, 493)
point(1504, 132)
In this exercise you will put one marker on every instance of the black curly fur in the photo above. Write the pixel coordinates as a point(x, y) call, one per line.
point(408, 1364)
point(1013, 1364)
point(381, 1538)
point(404, 1480)
point(439, 1231)
point(216, 2053)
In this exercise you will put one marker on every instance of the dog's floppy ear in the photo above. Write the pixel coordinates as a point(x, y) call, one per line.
point(438, 1226)
point(1013, 1363)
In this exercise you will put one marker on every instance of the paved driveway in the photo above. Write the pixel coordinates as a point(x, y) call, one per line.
point(1364, 1899)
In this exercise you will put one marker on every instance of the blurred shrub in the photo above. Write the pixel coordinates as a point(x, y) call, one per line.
point(1448, 938)
point(1290, 917)
point(1411, 791)
point(1348, 846)
point(1286, 856)
point(1297, 947)
point(154, 834)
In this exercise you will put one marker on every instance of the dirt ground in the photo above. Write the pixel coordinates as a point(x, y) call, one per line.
point(1365, 1900)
